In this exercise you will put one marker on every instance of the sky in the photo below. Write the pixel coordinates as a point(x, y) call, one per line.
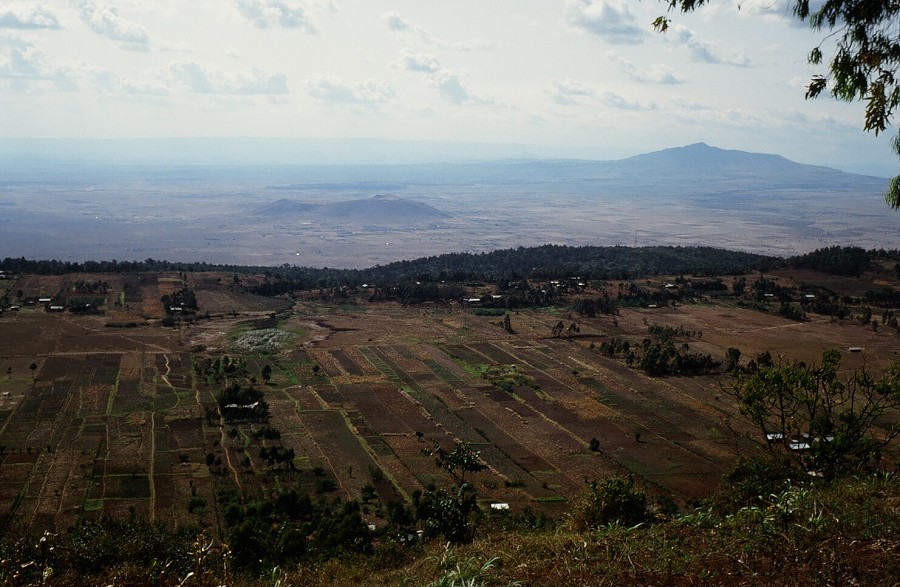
point(545, 78)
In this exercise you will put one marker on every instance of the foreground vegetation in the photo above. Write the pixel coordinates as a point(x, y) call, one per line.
point(760, 528)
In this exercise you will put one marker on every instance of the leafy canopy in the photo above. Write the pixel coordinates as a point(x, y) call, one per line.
point(864, 64)
point(822, 419)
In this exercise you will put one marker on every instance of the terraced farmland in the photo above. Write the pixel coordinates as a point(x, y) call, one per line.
point(119, 421)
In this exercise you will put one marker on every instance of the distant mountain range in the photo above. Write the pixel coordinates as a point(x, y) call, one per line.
point(697, 167)
point(355, 216)
point(687, 173)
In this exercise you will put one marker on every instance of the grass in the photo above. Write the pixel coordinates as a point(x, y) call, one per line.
point(844, 533)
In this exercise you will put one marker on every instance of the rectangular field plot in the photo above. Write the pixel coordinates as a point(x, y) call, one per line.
point(128, 398)
point(126, 486)
point(348, 459)
point(347, 364)
point(386, 410)
point(304, 398)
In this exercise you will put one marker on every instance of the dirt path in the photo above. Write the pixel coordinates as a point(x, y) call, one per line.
point(165, 378)
point(222, 440)
point(152, 465)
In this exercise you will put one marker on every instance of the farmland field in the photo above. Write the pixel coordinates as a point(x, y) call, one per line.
point(112, 412)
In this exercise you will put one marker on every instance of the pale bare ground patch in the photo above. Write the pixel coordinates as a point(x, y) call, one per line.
point(754, 332)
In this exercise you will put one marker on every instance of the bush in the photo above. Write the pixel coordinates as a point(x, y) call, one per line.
point(752, 480)
point(611, 501)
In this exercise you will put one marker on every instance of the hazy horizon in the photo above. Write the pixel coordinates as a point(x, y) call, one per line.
point(301, 152)
point(217, 212)
point(585, 79)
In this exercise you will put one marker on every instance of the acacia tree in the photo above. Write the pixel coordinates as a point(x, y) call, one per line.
point(822, 420)
point(863, 66)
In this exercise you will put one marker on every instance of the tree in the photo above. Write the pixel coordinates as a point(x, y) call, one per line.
point(507, 324)
point(820, 419)
point(33, 368)
point(266, 373)
point(733, 359)
point(447, 512)
point(865, 62)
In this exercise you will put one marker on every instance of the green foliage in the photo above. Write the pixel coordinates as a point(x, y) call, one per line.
point(849, 261)
point(489, 312)
point(791, 312)
point(611, 501)
point(182, 301)
point(732, 359)
point(466, 572)
point(665, 333)
point(751, 479)
point(447, 512)
point(665, 359)
point(238, 403)
point(839, 533)
point(215, 369)
point(544, 262)
point(506, 377)
point(461, 460)
point(105, 544)
point(196, 505)
point(291, 528)
point(590, 307)
point(277, 455)
point(822, 421)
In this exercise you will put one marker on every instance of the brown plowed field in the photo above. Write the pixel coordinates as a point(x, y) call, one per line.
point(115, 420)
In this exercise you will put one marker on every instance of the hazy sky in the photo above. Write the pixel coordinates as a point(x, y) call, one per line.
point(574, 78)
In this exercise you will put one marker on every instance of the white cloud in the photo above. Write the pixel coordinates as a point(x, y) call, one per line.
point(567, 92)
point(421, 62)
point(655, 74)
point(450, 88)
point(105, 20)
point(613, 100)
point(448, 83)
point(781, 11)
point(113, 84)
point(611, 20)
point(398, 24)
point(202, 80)
point(395, 22)
point(706, 52)
point(27, 16)
point(24, 66)
point(337, 91)
point(265, 14)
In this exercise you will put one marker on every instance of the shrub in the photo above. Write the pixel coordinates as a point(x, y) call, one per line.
point(751, 480)
point(611, 501)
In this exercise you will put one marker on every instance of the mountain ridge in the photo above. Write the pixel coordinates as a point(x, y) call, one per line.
point(380, 209)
